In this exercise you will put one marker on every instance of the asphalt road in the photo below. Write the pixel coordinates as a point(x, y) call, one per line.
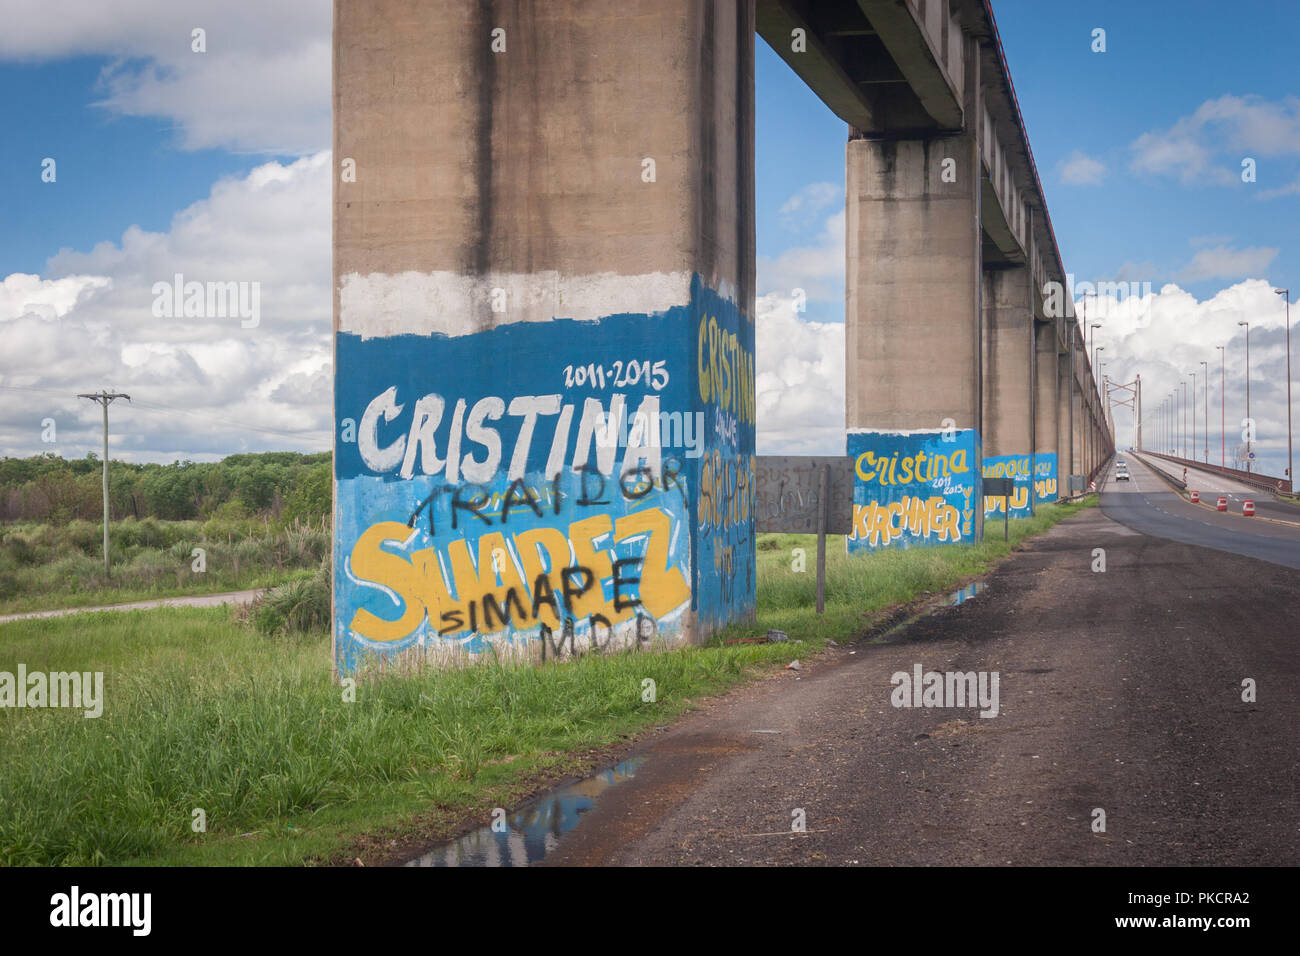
point(1119, 690)
point(1146, 503)
point(1211, 484)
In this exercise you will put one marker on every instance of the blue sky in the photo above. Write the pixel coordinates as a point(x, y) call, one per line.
point(1138, 148)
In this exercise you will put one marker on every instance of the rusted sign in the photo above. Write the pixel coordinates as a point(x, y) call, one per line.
point(789, 494)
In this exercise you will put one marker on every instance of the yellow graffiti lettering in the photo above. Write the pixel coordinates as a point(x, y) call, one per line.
point(531, 546)
point(914, 468)
point(663, 588)
point(726, 373)
point(880, 523)
point(468, 597)
point(371, 562)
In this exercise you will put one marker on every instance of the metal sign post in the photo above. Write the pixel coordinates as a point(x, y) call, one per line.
point(805, 495)
point(824, 518)
point(1001, 488)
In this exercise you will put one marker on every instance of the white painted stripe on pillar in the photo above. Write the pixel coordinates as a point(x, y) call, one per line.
point(450, 303)
point(908, 431)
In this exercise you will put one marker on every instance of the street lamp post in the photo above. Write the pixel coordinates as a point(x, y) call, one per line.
point(1223, 443)
point(1093, 334)
point(1251, 424)
point(1290, 462)
point(1206, 366)
point(1192, 373)
point(1184, 407)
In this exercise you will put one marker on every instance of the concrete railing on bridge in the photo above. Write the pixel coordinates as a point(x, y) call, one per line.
point(1269, 483)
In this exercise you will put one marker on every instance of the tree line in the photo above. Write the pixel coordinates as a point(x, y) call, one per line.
point(279, 484)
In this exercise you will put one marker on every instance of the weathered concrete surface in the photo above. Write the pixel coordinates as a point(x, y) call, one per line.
point(1046, 404)
point(529, 160)
point(547, 197)
point(913, 283)
point(1008, 362)
point(1065, 423)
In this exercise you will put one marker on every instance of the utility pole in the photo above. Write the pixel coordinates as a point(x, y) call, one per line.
point(1251, 424)
point(1223, 404)
point(1182, 410)
point(1207, 410)
point(105, 399)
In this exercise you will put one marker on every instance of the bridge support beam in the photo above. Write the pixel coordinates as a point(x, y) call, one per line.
point(913, 339)
point(1064, 422)
point(1008, 381)
point(1046, 408)
point(544, 337)
point(1081, 442)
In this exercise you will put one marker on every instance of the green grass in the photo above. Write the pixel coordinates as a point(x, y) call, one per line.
point(202, 712)
point(199, 713)
point(857, 588)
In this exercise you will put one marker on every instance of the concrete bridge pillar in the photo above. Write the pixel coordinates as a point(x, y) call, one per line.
point(1080, 418)
point(544, 288)
point(1065, 423)
point(1046, 408)
point(1008, 379)
point(912, 333)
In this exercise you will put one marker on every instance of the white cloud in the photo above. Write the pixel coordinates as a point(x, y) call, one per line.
point(263, 85)
point(89, 323)
point(1290, 189)
point(21, 294)
point(1166, 337)
point(1080, 169)
point(817, 269)
point(1229, 127)
point(799, 381)
point(809, 201)
point(1224, 262)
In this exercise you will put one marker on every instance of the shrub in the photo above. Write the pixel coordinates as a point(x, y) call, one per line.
point(301, 606)
point(182, 550)
point(22, 551)
point(86, 537)
point(73, 572)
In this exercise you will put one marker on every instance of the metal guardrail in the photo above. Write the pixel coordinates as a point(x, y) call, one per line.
point(1176, 482)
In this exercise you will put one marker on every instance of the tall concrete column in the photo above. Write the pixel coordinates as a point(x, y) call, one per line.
point(912, 336)
point(544, 349)
point(1064, 423)
point(1080, 419)
point(1008, 381)
point(1046, 409)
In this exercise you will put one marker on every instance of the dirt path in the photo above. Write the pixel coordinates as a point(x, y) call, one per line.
point(198, 600)
point(1119, 691)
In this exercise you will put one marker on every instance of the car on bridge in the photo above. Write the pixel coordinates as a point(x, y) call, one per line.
point(1121, 471)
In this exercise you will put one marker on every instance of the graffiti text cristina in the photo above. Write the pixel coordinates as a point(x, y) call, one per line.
point(481, 505)
point(913, 488)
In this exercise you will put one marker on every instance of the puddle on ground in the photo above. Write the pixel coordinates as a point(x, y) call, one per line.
point(966, 593)
point(535, 830)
